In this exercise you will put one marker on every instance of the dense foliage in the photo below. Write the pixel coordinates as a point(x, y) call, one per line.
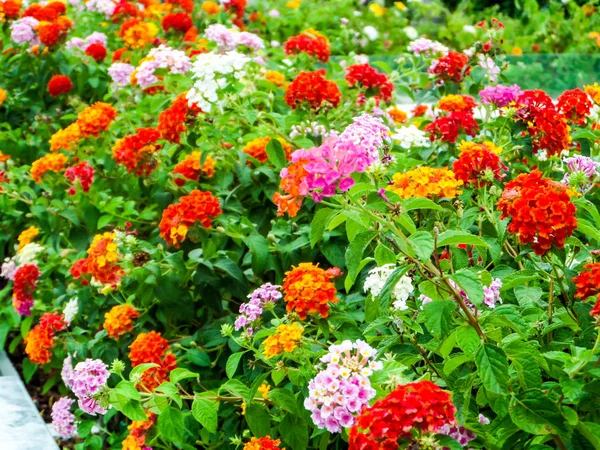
point(224, 226)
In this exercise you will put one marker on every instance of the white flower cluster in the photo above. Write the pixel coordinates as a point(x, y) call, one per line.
point(212, 72)
point(27, 255)
point(410, 136)
point(377, 278)
point(71, 309)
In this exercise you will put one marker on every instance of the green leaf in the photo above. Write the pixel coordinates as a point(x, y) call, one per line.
point(355, 251)
point(386, 292)
point(587, 229)
point(29, 369)
point(492, 367)
point(383, 255)
point(294, 432)
point(471, 284)
point(420, 203)
point(258, 420)
point(519, 278)
point(523, 358)
point(423, 244)
point(319, 223)
point(198, 357)
point(259, 248)
point(437, 316)
point(447, 442)
point(285, 399)
point(510, 316)
point(232, 364)
point(535, 413)
point(453, 363)
point(126, 399)
point(170, 425)
point(467, 339)
point(206, 413)
point(450, 237)
point(276, 153)
point(237, 388)
point(231, 269)
point(181, 374)
point(137, 371)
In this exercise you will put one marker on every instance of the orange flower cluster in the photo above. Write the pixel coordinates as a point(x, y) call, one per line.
point(426, 182)
point(152, 348)
point(191, 168)
point(171, 122)
point(257, 148)
point(25, 280)
point(118, 320)
point(310, 42)
point(421, 406)
point(138, 34)
point(397, 115)
point(457, 102)
point(177, 219)
point(309, 290)
point(285, 339)
point(138, 431)
point(39, 342)
point(588, 281)
point(9, 10)
point(53, 25)
point(575, 106)
point(90, 122)
point(101, 261)
point(292, 179)
point(136, 151)
point(211, 8)
point(277, 78)
point(27, 236)
point(314, 89)
point(540, 209)
point(263, 443)
point(52, 162)
point(477, 164)
point(595, 312)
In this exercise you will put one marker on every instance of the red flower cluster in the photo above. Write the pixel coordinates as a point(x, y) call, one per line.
point(447, 128)
point(314, 89)
point(452, 67)
point(47, 13)
point(25, 281)
point(136, 151)
point(186, 5)
point(82, 172)
point(546, 125)
point(177, 219)
point(10, 9)
point(191, 168)
point(595, 312)
point(124, 9)
point(575, 106)
point(177, 21)
point(59, 84)
point(540, 209)
point(263, 443)
point(368, 78)
point(422, 406)
point(308, 290)
point(237, 7)
point(478, 165)
point(96, 51)
point(310, 42)
point(53, 24)
point(588, 281)
point(40, 340)
point(100, 262)
point(152, 348)
point(171, 122)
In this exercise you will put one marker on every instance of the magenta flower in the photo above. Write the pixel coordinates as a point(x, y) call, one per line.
point(499, 95)
point(88, 380)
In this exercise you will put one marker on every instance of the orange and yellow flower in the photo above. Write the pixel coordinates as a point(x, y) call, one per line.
point(138, 34)
point(52, 162)
point(96, 118)
point(594, 92)
point(309, 290)
point(191, 168)
point(118, 320)
point(426, 182)
point(257, 148)
point(65, 139)
point(397, 115)
point(277, 78)
point(285, 339)
point(152, 348)
point(3, 96)
point(457, 102)
point(211, 8)
point(27, 236)
point(263, 443)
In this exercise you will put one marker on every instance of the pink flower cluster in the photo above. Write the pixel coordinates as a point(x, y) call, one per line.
point(343, 388)
point(83, 44)
point(106, 7)
point(499, 95)
point(121, 73)
point(62, 418)
point(82, 172)
point(250, 312)
point(458, 433)
point(228, 39)
point(491, 293)
point(331, 165)
point(22, 31)
point(581, 173)
point(67, 371)
point(427, 47)
point(162, 57)
point(87, 381)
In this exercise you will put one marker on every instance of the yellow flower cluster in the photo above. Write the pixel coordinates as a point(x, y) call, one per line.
point(487, 145)
point(66, 138)
point(293, 4)
point(53, 162)
point(285, 339)
point(3, 96)
point(593, 91)
point(277, 78)
point(211, 8)
point(27, 236)
point(104, 249)
point(377, 9)
point(426, 182)
point(140, 34)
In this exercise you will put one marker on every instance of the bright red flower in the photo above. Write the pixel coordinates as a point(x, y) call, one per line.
point(172, 121)
point(82, 172)
point(588, 281)
point(310, 42)
point(118, 55)
point(177, 219)
point(25, 282)
point(124, 9)
point(59, 84)
point(314, 89)
point(595, 312)
point(40, 340)
point(540, 209)
point(237, 7)
point(152, 348)
point(177, 21)
point(47, 13)
point(96, 51)
point(136, 152)
point(11, 9)
point(447, 128)
point(368, 78)
point(452, 67)
point(422, 406)
point(49, 33)
point(575, 106)
point(477, 165)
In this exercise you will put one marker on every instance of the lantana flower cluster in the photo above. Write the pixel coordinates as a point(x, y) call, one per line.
point(251, 311)
point(308, 289)
point(152, 348)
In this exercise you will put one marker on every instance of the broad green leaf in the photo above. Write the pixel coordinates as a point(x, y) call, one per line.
point(492, 367)
point(535, 413)
point(181, 374)
point(170, 425)
point(471, 284)
point(450, 237)
point(294, 432)
point(355, 251)
point(137, 371)
point(276, 153)
point(423, 244)
point(232, 363)
point(420, 203)
point(386, 292)
point(206, 413)
point(467, 339)
point(319, 223)
point(285, 399)
point(258, 420)
point(437, 316)
point(383, 255)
